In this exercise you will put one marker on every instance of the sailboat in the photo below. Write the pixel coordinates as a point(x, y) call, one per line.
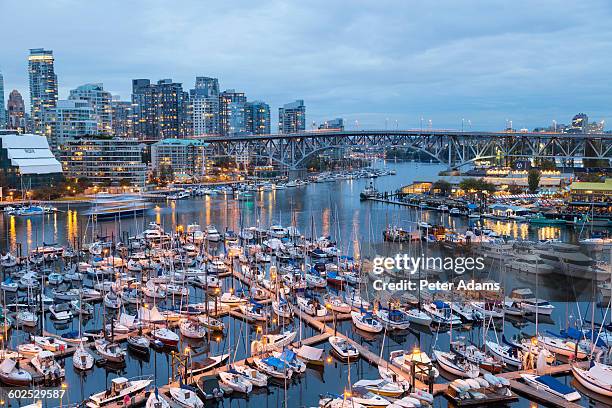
point(598, 378)
point(82, 359)
point(236, 381)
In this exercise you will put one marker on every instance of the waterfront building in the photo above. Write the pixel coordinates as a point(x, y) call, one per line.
point(591, 193)
point(333, 124)
point(185, 157)
point(204, 100)
point(16, 112)
point(70, 119)
point(292, 117)
point(257, 115)
point(104, 161)
point(160, 110)
point(232, 119)
point(100, 102)
point(26, 161)
point(43, 88)
point(121, 118)
point(3, 117)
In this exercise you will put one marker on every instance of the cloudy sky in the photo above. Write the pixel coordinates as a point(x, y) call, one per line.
point(376, 62)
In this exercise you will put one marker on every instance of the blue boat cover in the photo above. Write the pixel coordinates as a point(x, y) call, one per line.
point(555, 384)
point(274, 362)
point(288, 355)
point(440, 304)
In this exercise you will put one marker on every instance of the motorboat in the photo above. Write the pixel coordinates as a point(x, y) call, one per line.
point(252, 375)
point(419, 317)
point(311, 306)
point(524, 298)
point(29, 349)
point(456, 365)
point(393, 319)
point(61, 311)
point(366, 322)
point(139, 344)
point(212, 234)
point(552, 386)
point(423, 365)
point(343, 348)
point(441, 313)
point(155, 400)
point(381, 387)
point(238, 382)
point(290, 358)
point(49, 343)
point(121, 390)
point(27, 318)
point(45, 364)
point(367, 398)
point(12, 374)
point(185, 397)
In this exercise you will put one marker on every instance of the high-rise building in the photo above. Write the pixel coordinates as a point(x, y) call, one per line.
point(16, 112)
point(143, 109)
point(43, 88)
point(70, 119)
point(232, 118)
point(160, 110)
point(122, 118)
point(3, 118)
point(172, 113)
point(104, 161)
point(292, 117)
point(205, 106)
point(100, 102)
point(257, 118)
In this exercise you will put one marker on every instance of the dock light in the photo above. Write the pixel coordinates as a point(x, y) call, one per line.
point(347, 394)
point(274, 320)
point(218, 339)
point(231, 291)
point(416, 350)
point(187, 350)
point(534, 341)
point(328, 306)
point(329, 359)
point(258, 329)
point(64, 386)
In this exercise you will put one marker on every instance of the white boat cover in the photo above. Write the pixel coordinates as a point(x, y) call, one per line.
point(7, 366)
point(310, 353)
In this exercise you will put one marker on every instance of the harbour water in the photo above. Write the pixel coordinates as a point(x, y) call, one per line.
point(318, 209)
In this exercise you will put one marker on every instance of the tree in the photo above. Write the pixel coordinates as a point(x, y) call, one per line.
point(125, 183)
point(443, 187)
point(514, 189)
point(533, 180)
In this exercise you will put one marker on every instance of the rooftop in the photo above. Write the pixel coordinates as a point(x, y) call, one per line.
point(591, 186)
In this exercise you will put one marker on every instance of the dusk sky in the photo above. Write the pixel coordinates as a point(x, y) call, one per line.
point(485, 61)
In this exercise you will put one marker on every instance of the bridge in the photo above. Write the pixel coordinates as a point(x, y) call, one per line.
point(450, 147)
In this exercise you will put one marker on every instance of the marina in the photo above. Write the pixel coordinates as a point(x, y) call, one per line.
point(263, 294)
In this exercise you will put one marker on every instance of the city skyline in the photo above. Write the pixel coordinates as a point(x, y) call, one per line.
point(376, 63)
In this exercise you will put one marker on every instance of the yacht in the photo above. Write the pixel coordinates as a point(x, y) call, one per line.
point(112, 206)
point(524, 299)
point(569, 261)
point(369, 192)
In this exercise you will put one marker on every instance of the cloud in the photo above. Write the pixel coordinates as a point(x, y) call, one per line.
point(365, 60)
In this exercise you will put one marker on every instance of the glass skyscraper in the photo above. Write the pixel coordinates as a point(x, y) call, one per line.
point(232, 117)
point(43, 88)
point(257, 118)
point(292, 117)
point(100, 102)
point(205, 106)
